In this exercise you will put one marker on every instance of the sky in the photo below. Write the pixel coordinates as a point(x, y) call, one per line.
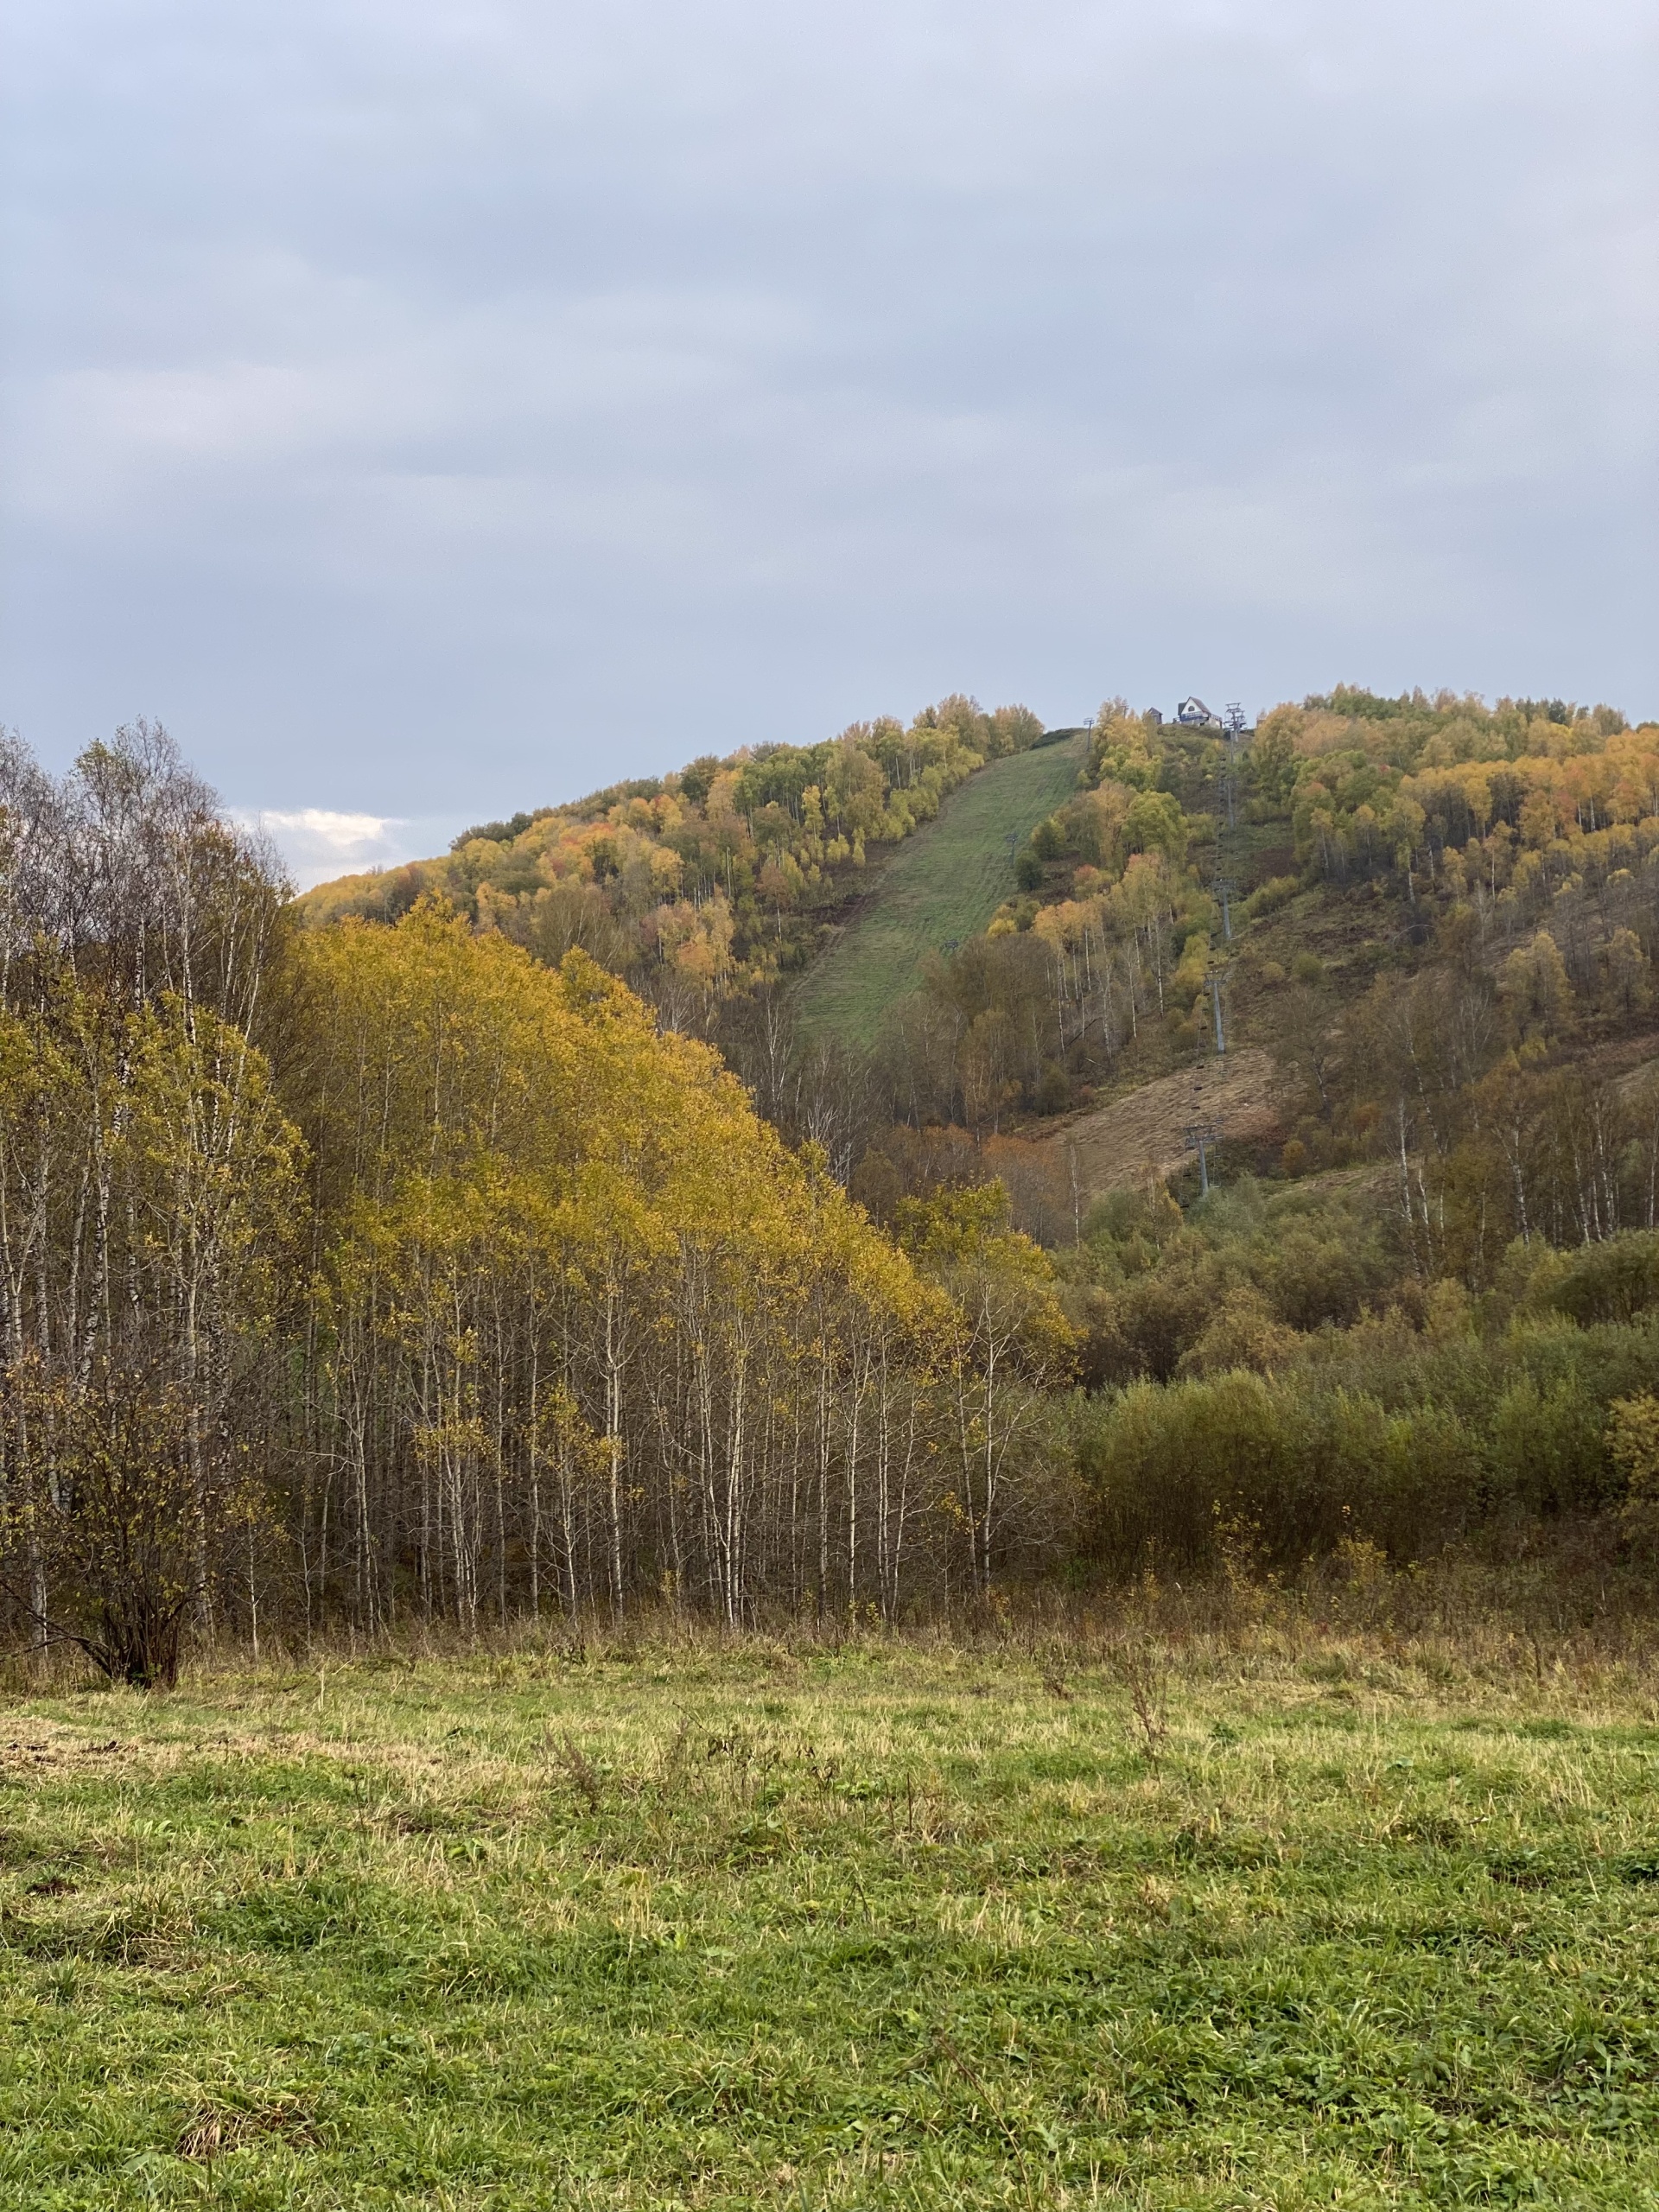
point(428, 408)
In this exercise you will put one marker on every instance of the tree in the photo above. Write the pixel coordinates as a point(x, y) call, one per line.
point(583, 1320)
point(1626, 975)
point(1535, 991)
point(115, 1522)
point(1009, 1339)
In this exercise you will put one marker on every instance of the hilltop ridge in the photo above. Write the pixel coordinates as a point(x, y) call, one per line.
point(717, 882)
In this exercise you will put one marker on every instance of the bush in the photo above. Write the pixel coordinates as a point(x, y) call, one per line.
point(1611, 1282)
point(1544, 1453)
point(113, 1541)
point(1277, 892)
point(1381, 1436)
point(1632, 1441)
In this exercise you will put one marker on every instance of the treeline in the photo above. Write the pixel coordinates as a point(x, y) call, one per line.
point(711, 884)
point(384, 1270)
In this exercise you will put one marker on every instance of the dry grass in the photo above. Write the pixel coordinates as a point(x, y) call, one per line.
point(1186, 1902)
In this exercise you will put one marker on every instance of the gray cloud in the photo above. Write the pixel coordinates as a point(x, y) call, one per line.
point(432, 409)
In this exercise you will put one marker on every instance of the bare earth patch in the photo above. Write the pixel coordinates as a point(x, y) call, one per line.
point(1143, 1137)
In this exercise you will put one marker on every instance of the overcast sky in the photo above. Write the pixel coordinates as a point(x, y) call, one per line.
point(429, 409)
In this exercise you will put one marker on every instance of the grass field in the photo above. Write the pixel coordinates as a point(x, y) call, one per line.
point(940, 886)
point(885, 1926)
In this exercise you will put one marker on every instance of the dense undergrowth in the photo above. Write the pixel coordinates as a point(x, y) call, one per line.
point(1274, 1379)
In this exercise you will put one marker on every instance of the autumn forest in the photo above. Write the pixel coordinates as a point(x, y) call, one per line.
point(505, 1236)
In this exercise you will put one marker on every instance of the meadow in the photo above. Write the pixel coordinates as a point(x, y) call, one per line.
point(1266, 1917)
point(937, 889)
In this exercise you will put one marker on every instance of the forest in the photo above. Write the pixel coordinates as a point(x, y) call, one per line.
point(386, 1269)
point(482, 1242)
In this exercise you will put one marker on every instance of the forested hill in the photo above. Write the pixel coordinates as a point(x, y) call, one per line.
point(357, 1274)
point(721, 882)
point(1364, 884)
point(1358, 880)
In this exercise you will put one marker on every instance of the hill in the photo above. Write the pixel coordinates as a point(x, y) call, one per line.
point(1429, 925)
point(1389, 898)
point(718, 882)
point(938, 888)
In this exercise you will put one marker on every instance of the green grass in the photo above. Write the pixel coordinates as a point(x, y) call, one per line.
point(940, 886)
point(889, 1927)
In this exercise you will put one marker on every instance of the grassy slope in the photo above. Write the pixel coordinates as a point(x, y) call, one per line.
point(940, 887)
point(885, 1926)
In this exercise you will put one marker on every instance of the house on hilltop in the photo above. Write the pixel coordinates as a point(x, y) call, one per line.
point(1192, 714)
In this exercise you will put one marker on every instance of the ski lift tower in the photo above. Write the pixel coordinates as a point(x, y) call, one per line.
point(1202, 1137)
point(1233, 723)
point(1214, 984)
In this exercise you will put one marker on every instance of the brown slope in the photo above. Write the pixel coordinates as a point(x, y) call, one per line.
point(1142, 1137)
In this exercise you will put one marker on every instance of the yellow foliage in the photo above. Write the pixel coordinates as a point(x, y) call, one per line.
point(1633, 1444)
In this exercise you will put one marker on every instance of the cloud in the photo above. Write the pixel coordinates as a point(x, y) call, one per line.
point(318, 843)
point(435, 410)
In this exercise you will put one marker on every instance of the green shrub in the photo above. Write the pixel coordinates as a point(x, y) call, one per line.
point(1277, 891)
point(1457, 1436)
point(1544, 1448)
point(1611, 1282)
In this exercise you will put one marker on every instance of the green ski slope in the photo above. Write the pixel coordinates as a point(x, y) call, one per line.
point(940, 885)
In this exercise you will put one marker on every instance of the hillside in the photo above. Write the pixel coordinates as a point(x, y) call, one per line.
point(1437, 950)
point(939, 888)
point(1415, 890)
point(718, 882)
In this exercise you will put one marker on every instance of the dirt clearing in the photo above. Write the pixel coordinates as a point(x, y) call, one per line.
point(1143, 1137)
